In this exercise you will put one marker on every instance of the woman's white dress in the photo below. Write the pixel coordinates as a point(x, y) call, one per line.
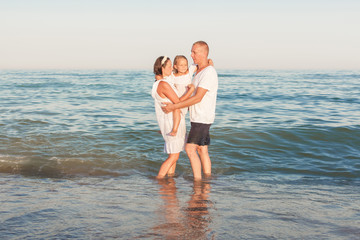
point(173, 144)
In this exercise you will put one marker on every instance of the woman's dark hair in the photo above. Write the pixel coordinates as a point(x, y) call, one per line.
point(158, 66)
point(176, 59)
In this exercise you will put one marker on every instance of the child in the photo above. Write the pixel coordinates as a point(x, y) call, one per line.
point(183, 75)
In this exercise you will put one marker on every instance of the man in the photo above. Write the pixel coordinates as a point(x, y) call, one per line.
point(202, 110)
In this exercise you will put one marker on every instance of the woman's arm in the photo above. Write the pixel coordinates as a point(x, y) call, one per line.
point(165, 90)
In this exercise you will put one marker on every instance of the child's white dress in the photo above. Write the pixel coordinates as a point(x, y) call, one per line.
point(181, 83)
point(173, 144)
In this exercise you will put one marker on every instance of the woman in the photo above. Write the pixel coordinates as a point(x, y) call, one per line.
point(164, 91)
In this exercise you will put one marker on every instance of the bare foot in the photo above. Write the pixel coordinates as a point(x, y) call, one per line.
point(171, 175)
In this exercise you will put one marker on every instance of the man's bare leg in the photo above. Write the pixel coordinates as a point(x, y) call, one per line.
point(191, 150)
point(205, 160)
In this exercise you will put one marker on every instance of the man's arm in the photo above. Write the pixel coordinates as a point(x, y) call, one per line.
point(200, 93)
point(187, 95)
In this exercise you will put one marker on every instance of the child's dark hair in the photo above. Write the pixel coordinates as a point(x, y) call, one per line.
point(158, 66)
point(176, 59)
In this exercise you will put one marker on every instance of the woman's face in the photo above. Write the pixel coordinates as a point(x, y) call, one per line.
point(167, 70)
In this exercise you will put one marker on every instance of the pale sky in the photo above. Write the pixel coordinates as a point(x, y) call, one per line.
point(120, 34)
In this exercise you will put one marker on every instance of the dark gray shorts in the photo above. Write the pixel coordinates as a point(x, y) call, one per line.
point(199, 134)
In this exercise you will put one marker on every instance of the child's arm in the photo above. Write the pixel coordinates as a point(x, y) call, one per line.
point(191, 89)
point(210, 62)
point(192, 69)
point(200, 93)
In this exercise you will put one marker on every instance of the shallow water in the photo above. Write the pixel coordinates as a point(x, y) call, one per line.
point(79, 151)
point(228, 207)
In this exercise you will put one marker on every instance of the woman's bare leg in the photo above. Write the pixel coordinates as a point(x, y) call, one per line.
point(171, 171)
point(167, 164)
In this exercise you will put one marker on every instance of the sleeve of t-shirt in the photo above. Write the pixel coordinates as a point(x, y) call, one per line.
point(192, 69)
point(210, 80)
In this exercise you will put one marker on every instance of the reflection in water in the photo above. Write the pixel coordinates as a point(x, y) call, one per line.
point(171, 218)
point(188, 222)
point(197, 212)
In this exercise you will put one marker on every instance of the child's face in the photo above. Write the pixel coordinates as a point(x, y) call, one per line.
point(181, 65)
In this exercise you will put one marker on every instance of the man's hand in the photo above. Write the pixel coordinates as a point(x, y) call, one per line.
point(210, 61)
point(167, 107)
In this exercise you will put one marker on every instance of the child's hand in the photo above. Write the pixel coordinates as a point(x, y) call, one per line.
point(158, 77)
point(191, 87)
point(211, 62)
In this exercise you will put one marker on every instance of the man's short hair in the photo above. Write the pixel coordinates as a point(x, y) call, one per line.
point(203, 44)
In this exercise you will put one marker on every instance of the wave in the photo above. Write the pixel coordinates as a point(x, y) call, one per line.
point(325, 151)
point(56, 167)
point(304, 150)
point(246, 76)
point(338, 75)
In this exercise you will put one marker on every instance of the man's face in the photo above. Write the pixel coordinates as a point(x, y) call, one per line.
point(197, 53)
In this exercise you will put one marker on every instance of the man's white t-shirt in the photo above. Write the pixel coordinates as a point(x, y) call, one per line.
point(204, 111)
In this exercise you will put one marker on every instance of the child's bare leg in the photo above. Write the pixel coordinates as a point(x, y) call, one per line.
point(164, 169)
point(176, 122)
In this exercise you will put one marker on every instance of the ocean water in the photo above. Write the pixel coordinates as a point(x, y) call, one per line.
point(79, 152)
